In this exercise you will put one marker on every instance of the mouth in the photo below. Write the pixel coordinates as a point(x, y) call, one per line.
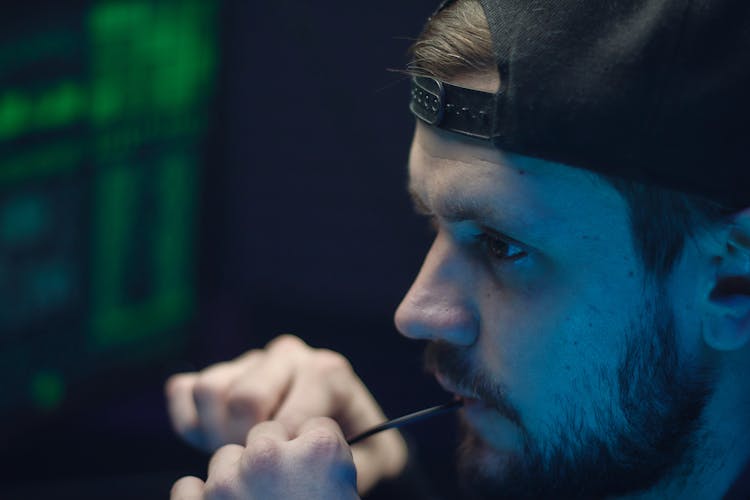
point(459, 393)
point(488, 423)
point(473, 404)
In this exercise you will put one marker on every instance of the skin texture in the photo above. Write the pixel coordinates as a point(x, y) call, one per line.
point(592, 380)
point(583, 376)
point(314, 463)
point(262, 411)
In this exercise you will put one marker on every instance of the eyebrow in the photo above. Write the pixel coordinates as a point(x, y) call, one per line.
point(452, 210)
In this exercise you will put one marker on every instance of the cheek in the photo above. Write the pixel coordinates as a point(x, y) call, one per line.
point(522, 315)
point(524, 342)
point(553, 345)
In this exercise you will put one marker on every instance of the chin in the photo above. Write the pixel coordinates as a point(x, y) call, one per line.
point(483, 470)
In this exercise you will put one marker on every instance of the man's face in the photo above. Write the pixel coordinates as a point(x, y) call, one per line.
point(577, 376)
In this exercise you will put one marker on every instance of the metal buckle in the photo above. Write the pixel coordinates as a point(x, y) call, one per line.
point(428, 99)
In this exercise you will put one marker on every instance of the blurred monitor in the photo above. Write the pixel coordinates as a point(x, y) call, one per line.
point(103, 116)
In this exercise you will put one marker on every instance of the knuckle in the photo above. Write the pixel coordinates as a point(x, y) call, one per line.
point(262, 455)
point(248, 401)
point(178, 382)
point(183, 485)
point(329, 362)
point(205, 392)
point(252, 353)
point(210, 385)
point(322, 443)
point(286, 343)
point(221, 486)
point(292, 420)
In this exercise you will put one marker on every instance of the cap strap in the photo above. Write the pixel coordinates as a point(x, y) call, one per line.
point(456, 109)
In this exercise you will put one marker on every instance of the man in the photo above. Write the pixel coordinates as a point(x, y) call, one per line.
point(587, 294)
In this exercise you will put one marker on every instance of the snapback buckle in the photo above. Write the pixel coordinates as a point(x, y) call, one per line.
point(428, 99)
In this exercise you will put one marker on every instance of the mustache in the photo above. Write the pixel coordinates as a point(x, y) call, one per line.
point(455, 364)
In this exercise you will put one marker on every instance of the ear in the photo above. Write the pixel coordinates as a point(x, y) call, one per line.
point(729, 298)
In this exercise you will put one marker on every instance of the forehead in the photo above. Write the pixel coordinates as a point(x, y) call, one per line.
point(448, 172)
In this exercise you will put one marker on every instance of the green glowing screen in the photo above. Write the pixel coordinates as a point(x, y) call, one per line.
point(103, 117)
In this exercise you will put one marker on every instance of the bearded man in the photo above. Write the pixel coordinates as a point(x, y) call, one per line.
point(587, 294)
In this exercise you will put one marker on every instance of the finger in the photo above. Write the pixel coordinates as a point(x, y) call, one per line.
point(262, 459)
point(257, 393)
point(223, 477)
point(209, 396)
point(286, 344)
point(271, 429)
point(224, 457)
point(249, 358)
point(324, 424)
point(187, 488)
point(322, 445)
point(181, 407)
point(381, 456)
point(322, 388)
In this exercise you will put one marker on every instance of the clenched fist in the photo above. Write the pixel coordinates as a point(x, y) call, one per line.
point(288, 384)
point(316, 464)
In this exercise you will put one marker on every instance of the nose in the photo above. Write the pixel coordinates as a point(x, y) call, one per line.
point(438, 304)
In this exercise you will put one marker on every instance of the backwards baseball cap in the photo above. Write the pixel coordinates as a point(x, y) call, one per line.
point(656, 91)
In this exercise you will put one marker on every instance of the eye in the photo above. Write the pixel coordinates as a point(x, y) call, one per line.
point(499, 249)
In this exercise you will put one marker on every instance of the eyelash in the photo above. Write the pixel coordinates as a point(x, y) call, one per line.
point(486, 241)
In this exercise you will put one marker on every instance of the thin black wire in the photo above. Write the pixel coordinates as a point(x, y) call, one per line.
point(407, 419)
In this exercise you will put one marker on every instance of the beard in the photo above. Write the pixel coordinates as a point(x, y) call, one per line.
point(642, 432)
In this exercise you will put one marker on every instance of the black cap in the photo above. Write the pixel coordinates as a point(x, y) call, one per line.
point(656, 91)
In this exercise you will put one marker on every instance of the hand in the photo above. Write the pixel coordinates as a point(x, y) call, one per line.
point(274, 464)
point(288, 382)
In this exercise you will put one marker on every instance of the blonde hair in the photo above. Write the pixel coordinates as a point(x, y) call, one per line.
point(455, 41)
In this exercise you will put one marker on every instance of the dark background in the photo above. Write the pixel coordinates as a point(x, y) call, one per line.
point(302, 224)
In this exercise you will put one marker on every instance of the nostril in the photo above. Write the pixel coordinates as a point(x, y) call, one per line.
point(731, 286)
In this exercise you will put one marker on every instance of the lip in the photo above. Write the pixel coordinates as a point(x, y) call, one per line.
point(489, 424)
point(472, 403)
point(459, 393)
